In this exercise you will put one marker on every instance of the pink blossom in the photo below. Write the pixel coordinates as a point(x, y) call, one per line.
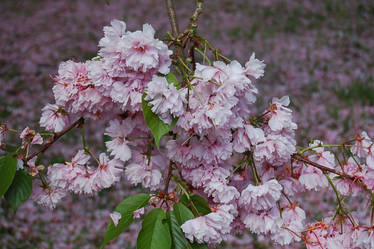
point(47, 196)
point(280, 117)
point(213, 180)
point(150, 178)
point(312, 178)
point(77, 94)
point(365, 238)
point(261, 197)
point(262, 222)
point(124, 52)
point(363, 148)
point(54, 118)
point(142, 52)
point(165, 99)
point(63, 175)
point(254, 67)
point(276, 150)
point(100, 77)
point(293, 223)
point(118, 146)
point(207, 150)
point(30, 137)
point(247, 136)
point(108, 172)
point(210, 228)
point(215, 95)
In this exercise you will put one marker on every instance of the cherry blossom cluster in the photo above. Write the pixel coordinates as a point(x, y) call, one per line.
point(243, 163)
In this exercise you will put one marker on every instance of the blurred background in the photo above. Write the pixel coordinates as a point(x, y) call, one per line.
point(319, 52)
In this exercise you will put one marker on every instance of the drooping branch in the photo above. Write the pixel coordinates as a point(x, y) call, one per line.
point(54, 139)
point(172, 17)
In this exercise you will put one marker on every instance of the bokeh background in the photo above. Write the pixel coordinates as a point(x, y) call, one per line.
point(319, 52)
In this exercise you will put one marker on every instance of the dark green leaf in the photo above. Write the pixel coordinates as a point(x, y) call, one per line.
point(126, 208)
point(182, 213)
point(200, 203)
point(107, 2)
point(155, 233)
point(199, 246)
point(179, 241)
point(20, 189)
point(154, 123)
point(172, 79)
point(8, 167)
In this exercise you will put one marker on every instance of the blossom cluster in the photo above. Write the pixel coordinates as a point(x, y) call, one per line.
point(240, 161)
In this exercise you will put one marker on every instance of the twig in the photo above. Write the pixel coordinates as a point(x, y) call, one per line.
point(195, 16)
point(172, 17)
point(54, 139)
point(168, 178)
point(321, 167)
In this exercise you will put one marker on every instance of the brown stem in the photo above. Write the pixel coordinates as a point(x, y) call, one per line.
point(168, 178)
point(321, 167)
point(192, 55)
point(54, 139)
point(172, 17)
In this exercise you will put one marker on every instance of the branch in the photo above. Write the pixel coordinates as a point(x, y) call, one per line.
point(54, 139)
point(172, 17)
point(321, 167)
point(195, 16)
point(168, 178)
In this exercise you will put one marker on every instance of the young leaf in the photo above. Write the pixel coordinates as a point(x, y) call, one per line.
point(172, 79)
point(126, 208)
point(20, 190)
point(155, 233)
point(200, 203)
point(8, 167)
point(154, 123)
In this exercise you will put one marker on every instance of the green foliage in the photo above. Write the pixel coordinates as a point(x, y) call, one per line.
point(197, 201)
point(126, 208)
point(155, 232)
point(20, 190)
point(172, 79)
point(178, 239)
point(8, 167)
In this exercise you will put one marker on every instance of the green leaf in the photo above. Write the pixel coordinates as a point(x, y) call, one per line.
point(8, 167)
point(179, 241)
point(199, 246)
point(20, 190)
point(172, 79)
point(126, 208)
point(107, 2)
point(155, 233)
point(200, 203)
point(181, 214)
point(154, 123)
